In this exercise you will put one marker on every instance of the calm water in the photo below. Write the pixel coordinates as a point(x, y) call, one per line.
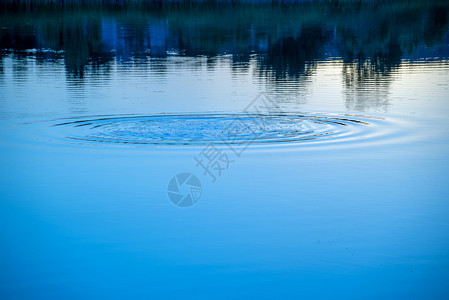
point(328, 123)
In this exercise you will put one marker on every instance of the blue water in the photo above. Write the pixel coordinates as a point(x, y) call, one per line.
point(337, 188)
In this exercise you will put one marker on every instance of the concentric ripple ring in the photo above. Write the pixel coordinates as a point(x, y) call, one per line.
point(215, 128)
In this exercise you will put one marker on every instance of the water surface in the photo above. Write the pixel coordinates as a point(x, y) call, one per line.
point(331, 125)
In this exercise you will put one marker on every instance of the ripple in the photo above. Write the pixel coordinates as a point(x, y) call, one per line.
point(215, 128)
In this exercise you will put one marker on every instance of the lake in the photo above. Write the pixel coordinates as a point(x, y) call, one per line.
point(217, 150)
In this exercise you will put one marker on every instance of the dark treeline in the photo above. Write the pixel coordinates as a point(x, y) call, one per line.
point(284, 40)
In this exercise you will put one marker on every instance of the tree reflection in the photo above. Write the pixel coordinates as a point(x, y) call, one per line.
point(284, 42)
point(290, 57)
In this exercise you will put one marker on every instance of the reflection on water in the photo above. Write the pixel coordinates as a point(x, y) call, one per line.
point(281, 45)
point(342, 195)
point(284, 42)
point(364, 87)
